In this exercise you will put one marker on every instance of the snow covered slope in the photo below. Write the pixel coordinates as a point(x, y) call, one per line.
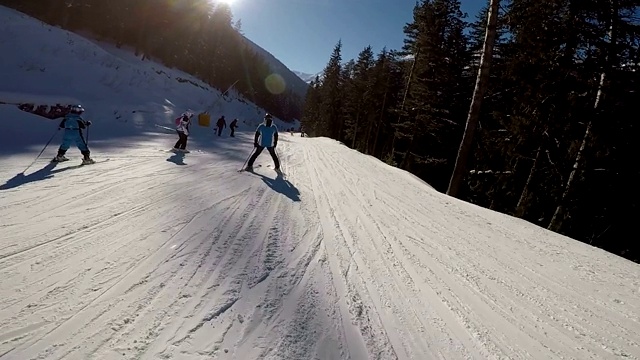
point(154, 255)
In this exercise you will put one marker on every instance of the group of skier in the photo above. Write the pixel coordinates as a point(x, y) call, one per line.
point(222, 123)
point(266, 136)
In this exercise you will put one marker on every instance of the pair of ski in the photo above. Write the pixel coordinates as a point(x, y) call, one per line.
point(83, 163)
point(258, 166)
point(183, 151)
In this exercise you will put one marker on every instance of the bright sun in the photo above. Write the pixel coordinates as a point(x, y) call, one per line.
point(228, 2)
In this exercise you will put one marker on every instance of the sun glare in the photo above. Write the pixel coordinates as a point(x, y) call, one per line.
point(228, 2)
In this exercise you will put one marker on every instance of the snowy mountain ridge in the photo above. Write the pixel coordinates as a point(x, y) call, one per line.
point(307, 77)
point(152, 254)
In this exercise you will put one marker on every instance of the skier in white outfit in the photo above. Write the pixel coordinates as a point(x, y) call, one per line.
point(183, 123)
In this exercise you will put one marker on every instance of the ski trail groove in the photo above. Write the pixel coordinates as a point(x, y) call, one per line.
point(369, 325)
point(109, 288)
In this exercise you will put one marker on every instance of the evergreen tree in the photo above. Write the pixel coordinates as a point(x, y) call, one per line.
point(311, 118)
point(358, 98)
point(438, 92)
point(331, 93)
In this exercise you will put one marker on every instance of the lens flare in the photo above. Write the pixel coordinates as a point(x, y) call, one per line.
point(275, 84)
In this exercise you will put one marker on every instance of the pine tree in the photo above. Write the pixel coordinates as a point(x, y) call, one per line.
point(386, 87)
point(429, 132)
point(331, 93)
point(311, 116)
point(358, 101)
point(237, 26)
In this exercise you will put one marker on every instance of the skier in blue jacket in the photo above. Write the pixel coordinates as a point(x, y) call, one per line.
point(73, 124)
point(266, 137)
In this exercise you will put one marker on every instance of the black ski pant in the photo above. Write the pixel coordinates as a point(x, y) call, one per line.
point(233, 130)
point(219, 130)
point(182, 141)
point(259, 149)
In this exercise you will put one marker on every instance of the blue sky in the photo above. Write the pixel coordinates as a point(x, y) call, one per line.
point(302, 33)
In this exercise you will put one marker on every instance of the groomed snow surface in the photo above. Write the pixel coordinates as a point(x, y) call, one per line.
point(156, 255)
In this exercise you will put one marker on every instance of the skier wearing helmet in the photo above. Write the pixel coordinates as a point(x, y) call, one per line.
point(266, 137)
point(73, 123)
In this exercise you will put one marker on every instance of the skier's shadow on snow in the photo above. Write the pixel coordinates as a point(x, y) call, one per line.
point(281, 185)
point(46, 172)
point(177, 158)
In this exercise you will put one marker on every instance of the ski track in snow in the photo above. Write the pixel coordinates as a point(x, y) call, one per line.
point(347, 258)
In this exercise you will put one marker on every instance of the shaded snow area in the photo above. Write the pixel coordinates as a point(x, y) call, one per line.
point(149, 254)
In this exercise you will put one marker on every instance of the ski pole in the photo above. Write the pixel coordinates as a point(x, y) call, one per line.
point(41, 151)
point(278, 156)
point(248, 157)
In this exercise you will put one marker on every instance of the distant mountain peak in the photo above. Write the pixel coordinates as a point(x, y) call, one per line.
point(307, 77)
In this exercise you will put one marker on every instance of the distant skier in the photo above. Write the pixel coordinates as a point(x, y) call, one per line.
point(222, 123)
point(183, 125)
point(73, 124)
point(267, 135)
point(233, 126)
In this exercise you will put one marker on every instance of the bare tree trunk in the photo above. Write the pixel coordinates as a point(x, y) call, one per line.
point(559, 215)
point(476, 103)
point(404, 164)
point(379, 124)
point(404, 99)
point(340, 127)
point(141, 45)
point(355, 131)
point(520, 208)
point(367, 147)
point(366, 129)
point(66, 11)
